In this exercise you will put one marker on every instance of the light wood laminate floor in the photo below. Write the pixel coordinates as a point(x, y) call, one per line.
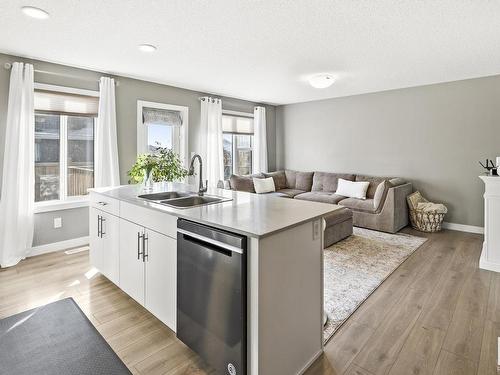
point(436, 314)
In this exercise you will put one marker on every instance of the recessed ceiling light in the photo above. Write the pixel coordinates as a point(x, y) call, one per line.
point(147, 48)
point(321, 81)
point(35, 12)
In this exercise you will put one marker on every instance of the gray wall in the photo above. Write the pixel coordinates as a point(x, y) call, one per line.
point(75, 221)
point(432, 135)
point(75, 225)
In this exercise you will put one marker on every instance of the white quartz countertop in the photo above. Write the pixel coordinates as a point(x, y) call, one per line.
point(254, 215)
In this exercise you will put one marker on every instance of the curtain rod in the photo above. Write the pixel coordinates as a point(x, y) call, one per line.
point(203, 98)
point(8, 66)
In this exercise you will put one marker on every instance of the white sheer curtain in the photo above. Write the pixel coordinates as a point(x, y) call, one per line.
point(106, 149)
point(211, 140)
point(17, 199)
point(260, 140)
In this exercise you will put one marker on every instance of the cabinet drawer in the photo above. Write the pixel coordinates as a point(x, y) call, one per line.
point(158, 221)
point(104, 203)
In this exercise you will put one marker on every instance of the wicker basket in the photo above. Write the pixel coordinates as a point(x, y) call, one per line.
point(424, 221)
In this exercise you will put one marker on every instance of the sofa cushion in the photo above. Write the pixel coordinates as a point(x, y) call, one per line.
point(338, 216)
point(304, 181)
point(278, 194)
point(374, 182)
point(397, 181)
point(298, 180)
point(317, 196)
point(244, 183)
point(355, 204)
point(290, 192)
point(352, 189)
point(381, 194)
point(325, 181)
point(264, 185)
point(279, 178)
point(290, 177)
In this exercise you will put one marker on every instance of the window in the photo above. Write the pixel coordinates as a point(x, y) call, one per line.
point(47, 156)
point(161, 124)
point(238, 141)
point(64, 145)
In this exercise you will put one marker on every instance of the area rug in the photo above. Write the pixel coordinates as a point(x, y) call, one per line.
point(55, 339)
point(356, 266)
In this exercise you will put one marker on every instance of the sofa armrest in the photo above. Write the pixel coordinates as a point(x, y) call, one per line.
point(396, 206)
point(224, 184)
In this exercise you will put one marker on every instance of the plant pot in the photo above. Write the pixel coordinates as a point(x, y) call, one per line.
point(148, 181)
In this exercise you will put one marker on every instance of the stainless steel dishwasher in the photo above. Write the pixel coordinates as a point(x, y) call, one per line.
point(211, 295)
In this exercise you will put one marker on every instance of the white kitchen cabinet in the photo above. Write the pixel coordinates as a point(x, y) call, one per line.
point(131, 260)
point(161, 277)
point(104, 247)
point(136, 248)
point(95, 253)
point(110, 242)
point(148, 262)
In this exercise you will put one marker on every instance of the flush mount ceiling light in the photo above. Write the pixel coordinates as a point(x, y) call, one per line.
point(321, 81)
point(147, 47)
point(35, 12)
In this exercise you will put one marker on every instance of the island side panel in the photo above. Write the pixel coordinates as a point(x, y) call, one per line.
point(253, 306)
point(290, 300)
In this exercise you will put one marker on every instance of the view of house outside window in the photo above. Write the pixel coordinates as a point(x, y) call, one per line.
point(64, 156)
point(237, 154)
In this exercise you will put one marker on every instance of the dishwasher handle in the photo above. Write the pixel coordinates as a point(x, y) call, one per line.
point(211, 241)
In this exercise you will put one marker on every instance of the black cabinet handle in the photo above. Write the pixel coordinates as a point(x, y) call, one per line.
point(102, 221)
point(139, 253)
point(98, 225)
point(145, 247)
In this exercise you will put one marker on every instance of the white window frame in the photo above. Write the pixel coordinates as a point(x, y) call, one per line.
point(64, 202)
point(180, 136)
point(233, 141)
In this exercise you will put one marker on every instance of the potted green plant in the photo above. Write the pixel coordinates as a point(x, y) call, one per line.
point(163, 165)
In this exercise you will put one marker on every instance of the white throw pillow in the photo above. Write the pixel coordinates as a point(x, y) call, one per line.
point(263, 185)
point(352, 189)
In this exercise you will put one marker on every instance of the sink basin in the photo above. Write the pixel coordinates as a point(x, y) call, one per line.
point(163, 196)
point(193, 201)
point(182, 199)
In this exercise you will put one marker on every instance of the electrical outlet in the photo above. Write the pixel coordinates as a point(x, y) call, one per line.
point(316, 229)
point(57, 222)
point(498, 357)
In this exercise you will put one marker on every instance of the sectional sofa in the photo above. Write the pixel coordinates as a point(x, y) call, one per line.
point(384, 208)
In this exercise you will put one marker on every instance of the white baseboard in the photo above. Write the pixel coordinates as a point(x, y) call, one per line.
point(485, 265)
point(463, 228)
point(57, 246)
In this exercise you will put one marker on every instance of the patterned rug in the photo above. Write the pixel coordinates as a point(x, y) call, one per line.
point(356, 266)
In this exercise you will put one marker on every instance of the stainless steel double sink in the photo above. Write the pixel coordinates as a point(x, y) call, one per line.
point(179, 199)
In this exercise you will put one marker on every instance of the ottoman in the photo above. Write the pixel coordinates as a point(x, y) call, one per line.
point(338, 225)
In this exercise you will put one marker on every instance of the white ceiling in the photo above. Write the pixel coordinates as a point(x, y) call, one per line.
point(264, 50)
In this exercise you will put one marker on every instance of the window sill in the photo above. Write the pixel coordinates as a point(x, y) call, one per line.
point(60, 205)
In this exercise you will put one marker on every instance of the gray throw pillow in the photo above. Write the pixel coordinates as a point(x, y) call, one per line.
point(396, 181)
point(244, 183)
point(241, 183)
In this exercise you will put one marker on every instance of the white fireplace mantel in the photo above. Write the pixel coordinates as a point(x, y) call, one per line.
point(490, 256)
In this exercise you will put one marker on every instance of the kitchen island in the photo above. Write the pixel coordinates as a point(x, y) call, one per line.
point(284, 263)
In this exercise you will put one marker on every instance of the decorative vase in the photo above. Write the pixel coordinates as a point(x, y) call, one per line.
point(148, 181)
